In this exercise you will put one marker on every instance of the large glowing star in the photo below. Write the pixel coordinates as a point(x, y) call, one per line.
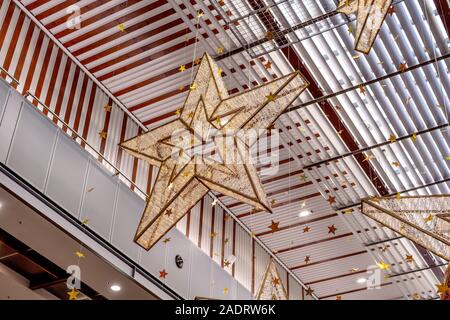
point(213, 122)
point(370, 15)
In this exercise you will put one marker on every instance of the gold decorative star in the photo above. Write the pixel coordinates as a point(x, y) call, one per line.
point(107, 108)
point(306, 229)
point(429, 218)
point(369, 157)
point(225, 291)
point(167, 240)
point(85, 221)
point(396, 164)
point(442, 288)
point(392, 138)
point(304, 177)
point(332, 229)
point(268, 65)
point(353, 270)
point(182, 68)
point(307, 259)
point(80, 254)
point(121, 27)
point(163, 274)
point(220, 50)
point(274, 226)
point(269, 35)
point(226, 263)
point(226, 240)
point(309, 291)
point(103, 135)
point(197, 61)
point(414, 137)
point(383, 266)
point(338, 297)
point(350, 29)
point(73, 294)
point(362, 90)
point(409, 258)
point(213, 234)
point(347, 211)
point(331, 199)
point(236, 179)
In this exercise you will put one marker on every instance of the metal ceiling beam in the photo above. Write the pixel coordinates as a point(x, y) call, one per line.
point(378, 145)
point(367, 83)
point(443, 8)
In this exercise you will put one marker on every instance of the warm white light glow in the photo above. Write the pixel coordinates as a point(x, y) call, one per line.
point(361, 280)
point(304, 213)
point(115, 288)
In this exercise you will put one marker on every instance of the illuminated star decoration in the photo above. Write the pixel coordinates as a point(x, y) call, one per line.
point(73, 294)
point(271, 287)
point(383, 266)
point(169, 147)
point(370, 15)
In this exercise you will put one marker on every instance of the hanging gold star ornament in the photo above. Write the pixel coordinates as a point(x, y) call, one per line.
point(121, 27)
point(228, 169)
point(383, 266)
point(422, 219)
point(80, 254)
point(73, 294)
point(271, 287)
point(107, 108)
point(370, 15)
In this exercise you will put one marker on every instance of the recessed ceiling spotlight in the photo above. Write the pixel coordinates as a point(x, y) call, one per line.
point(116, 288)
point(304, 213)
point(361, 280)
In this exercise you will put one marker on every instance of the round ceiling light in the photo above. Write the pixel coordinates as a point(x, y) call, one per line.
point(305, 213)
point(116, 288)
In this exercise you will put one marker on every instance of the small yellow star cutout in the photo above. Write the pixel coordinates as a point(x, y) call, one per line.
point(226, 263)
point(219, 72)
point(193, 87)
point(85, 221)
point(197, 61)
point(107, 108)
point(200, 14)
point(403, 67)
point(121, 27)
point(225, 291)
point(80, 254)
point(347, 211)
point(350, 29)
point(178, 112)
point(220, 50)
point(429, 218)
point(103, 135)
point(73, 294)
point(182, 68)
point(392, 138)
point(414, 137)
point(213, 234)
point(383, 266)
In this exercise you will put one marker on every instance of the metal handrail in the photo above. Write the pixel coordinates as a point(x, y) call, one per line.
point(117, 171)
point(3, 70)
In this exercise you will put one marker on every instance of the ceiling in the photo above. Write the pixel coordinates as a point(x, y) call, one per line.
point(34, 256)
point(135, 49)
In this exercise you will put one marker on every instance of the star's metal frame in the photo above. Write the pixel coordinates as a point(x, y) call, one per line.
point(422, 219)
point(370, 15)
point(183, 178)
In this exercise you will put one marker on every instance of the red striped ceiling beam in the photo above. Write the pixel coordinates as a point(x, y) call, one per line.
point(270, 23)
